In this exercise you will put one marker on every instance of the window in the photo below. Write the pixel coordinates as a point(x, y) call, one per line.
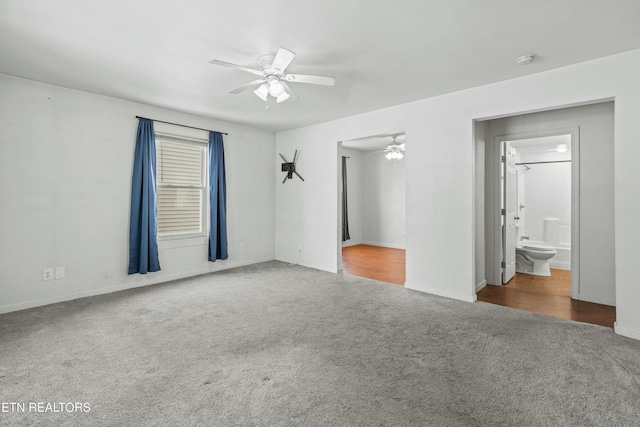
point(181, 184)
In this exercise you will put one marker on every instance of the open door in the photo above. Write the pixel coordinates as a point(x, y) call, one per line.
point(509, 213)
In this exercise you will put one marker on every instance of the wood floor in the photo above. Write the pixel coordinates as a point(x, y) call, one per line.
point(550, 296)
point(375, 262)
point(544, 295)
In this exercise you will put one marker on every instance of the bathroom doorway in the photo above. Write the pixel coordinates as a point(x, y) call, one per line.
point(538, 192)
point(590, 230)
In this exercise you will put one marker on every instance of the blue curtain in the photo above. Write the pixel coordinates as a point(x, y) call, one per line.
point(217, 199)
point(143, 226)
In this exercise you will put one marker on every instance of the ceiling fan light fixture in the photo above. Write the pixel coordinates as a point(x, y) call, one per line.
point(394, 154)
point(262, 92)
point(275, 88)
point(282, 97)
point(274, 77)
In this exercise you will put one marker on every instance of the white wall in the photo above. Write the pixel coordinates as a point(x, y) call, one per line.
point(479, 207)
point(308, 229)
point(376, 199)
point(440, 175)
point(355, 195)
point(384, 201)
point(65, 182)
point(597, 269)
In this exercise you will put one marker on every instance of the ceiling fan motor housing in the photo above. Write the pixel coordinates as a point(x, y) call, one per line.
point(266, 62)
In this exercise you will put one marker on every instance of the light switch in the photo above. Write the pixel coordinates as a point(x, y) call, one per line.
point(60, 273)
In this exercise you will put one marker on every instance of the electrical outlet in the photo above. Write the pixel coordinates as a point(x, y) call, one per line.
point(60, 273)
point(47, 274)
point(242, 246)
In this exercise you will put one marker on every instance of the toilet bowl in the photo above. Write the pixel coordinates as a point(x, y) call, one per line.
point(533, 258)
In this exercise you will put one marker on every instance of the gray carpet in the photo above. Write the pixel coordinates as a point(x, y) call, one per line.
point(280, 345)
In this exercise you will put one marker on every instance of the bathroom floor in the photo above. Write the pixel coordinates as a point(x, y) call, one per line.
point(559, 283)
point(548, 295)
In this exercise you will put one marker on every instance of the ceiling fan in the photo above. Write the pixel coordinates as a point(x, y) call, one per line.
point(395, 150)
point(274, 78)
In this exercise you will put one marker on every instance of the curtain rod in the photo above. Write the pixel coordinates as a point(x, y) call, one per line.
point(538, 163)
point(184, 126)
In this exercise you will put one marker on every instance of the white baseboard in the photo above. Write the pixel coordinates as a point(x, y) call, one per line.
point(560, 265)
point(384, 245)
point(125, 286)
point(597, 300)
point(328, 269)
point(481, 285)
point(442, 293)
point(626, 332)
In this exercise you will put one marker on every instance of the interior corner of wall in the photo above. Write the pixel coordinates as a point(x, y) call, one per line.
point(626, 332)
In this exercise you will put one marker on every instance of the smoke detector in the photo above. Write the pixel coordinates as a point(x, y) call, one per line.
point(526, 59)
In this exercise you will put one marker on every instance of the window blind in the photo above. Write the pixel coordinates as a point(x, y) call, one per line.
point(181, 182)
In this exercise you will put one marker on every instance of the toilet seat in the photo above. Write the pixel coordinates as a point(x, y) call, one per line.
point(538, 247)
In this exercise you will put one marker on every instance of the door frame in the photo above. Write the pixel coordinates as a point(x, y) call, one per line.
point(338, 194)
point(575, 199)
point(508, 227)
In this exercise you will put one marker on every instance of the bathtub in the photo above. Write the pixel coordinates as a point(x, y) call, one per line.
point(562, 259)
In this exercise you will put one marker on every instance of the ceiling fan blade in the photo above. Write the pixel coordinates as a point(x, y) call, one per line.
point(314, 80)
point(237, 67)
point(248, 86)
point(289, 90)
point(282, 60)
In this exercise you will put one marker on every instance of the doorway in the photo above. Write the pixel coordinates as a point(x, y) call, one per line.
point(540, 218)
point(371, 200)
point(540, 207)
point(582, 229)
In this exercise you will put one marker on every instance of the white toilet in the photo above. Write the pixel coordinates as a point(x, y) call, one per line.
point(533, 258)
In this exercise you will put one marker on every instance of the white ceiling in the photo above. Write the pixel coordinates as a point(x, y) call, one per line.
point(382, 53)
point(371, 143)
